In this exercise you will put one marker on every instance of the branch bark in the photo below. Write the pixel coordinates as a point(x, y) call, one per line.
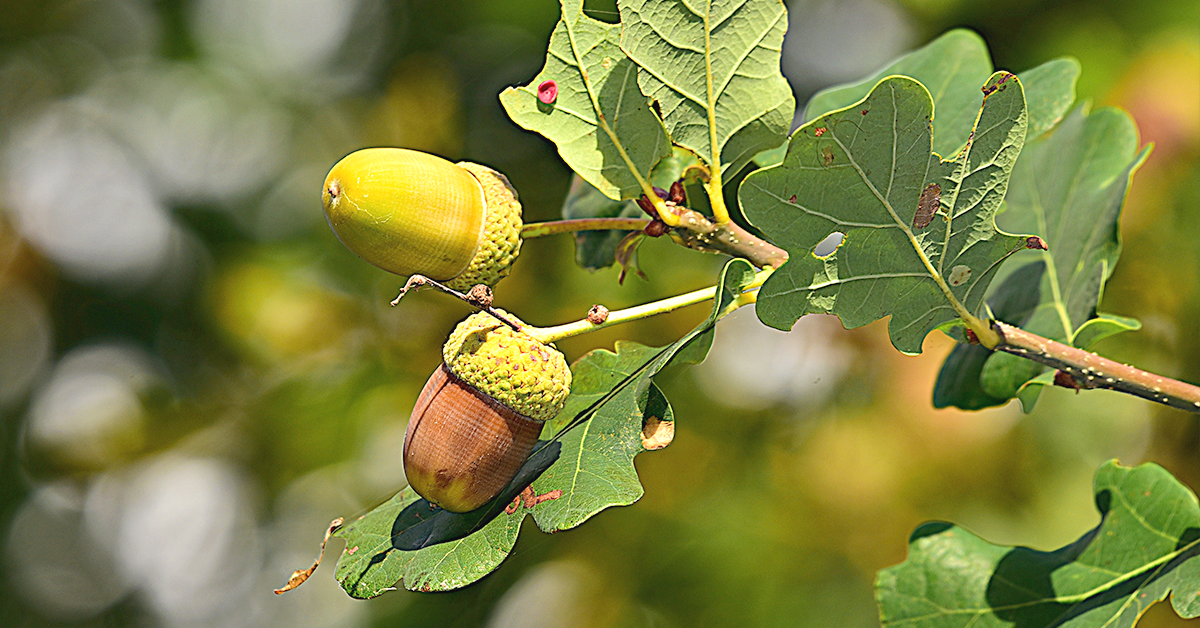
point(1089, 370)
point(696, 231)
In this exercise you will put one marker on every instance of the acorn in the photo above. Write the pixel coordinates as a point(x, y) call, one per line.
point(480, 414)
point(412, 213)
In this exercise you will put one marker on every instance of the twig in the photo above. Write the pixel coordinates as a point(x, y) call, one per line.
point(696, 231)
point(539, 229)
point(1089, 370)
point(479, 297)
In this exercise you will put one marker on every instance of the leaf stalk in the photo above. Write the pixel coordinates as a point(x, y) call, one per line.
point(646, 310)
point(553, 227)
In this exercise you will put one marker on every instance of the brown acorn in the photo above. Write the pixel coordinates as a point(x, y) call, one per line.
point(480, 414)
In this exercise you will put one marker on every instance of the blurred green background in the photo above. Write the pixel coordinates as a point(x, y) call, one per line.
point(195, 377)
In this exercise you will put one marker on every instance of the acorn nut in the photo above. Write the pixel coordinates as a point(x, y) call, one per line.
point(412, 213)
point(479, 415)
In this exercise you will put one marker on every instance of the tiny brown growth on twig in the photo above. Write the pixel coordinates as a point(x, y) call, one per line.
point(480, 296)
point(300, 575)
point(676, 194)
point(971, 337)
point(1065, 380)
point(598, 314)
point(656, 228)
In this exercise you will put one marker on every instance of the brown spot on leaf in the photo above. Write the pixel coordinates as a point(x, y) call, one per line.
point(827, 155)
point(959, 275)
point(529, 498)
point(299, 576)
point(927, 205)
point(1035, 242)
point(657, 433)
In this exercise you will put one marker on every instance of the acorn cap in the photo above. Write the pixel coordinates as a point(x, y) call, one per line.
point(501, 240)
point(514, 368)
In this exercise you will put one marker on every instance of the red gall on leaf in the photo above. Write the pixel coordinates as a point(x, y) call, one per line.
point(548, 92)
point(819, 131)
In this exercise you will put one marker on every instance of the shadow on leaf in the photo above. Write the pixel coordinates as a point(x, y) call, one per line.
point(1021, 590)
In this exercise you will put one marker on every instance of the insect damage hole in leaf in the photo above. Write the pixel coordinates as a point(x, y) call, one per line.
point(826, 247)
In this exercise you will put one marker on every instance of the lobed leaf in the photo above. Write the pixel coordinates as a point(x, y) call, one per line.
point(617, 392)
point(410, 541)
point(952, 67)
point(713, 68)
point(1069, 189)
point(616, 412)
point(865, 172)
point(600, 121)
point(1146, 547)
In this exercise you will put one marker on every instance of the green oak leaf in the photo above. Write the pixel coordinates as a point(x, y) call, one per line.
point(587, 459)
point(1146, 547)
point(1069, 189)
point(409, 541)
point(861, 172)
point(617, 392)
point(713, 68)
point(603, 126)
point(597, 249)
point(952, 67)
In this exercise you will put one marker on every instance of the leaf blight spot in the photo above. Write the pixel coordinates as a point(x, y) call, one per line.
point(927, 205)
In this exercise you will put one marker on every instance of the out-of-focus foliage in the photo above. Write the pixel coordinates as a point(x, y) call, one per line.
point(195, 377)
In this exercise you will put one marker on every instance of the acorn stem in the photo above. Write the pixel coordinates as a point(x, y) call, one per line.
point(539, 229)
point(646, 310)
point(420, 281)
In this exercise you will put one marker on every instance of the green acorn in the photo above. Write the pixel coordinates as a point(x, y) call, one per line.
point(412, 213)
point(480, 413)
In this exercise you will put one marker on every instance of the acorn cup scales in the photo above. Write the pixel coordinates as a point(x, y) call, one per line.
point(480, 414)
point(412, 213)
